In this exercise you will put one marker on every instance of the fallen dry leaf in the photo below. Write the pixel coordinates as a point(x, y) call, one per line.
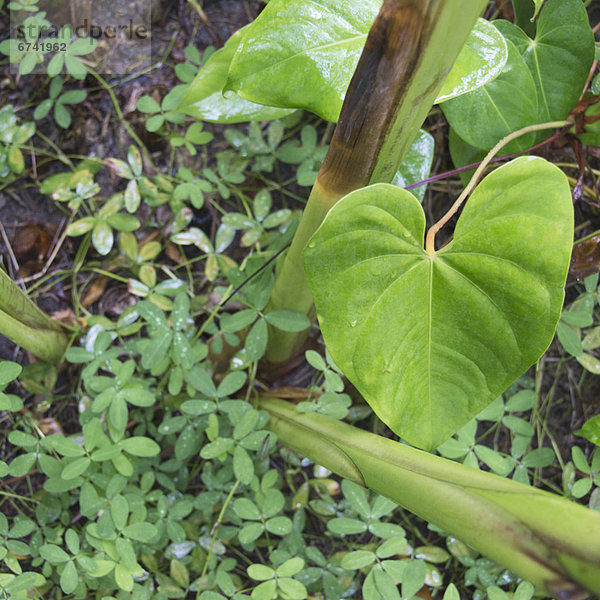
point(585, 259)
point(95, 291)
point(48, 426)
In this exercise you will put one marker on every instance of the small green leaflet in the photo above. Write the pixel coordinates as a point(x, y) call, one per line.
point(431, 340)
point(492, 111)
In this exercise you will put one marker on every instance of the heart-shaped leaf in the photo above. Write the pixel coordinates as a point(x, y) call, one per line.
point(480, 61)
point(302, 54)
point(489, 113)
point(559, 57)
point(431, 339)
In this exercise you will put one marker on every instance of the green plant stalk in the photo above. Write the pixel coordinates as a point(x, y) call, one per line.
point(27, 325)
point(409, 51)
point(546, 539)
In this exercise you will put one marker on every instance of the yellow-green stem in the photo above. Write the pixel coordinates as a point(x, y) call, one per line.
point(544, 538)
point(213, 532)
point(291, 281)
point(28, 326)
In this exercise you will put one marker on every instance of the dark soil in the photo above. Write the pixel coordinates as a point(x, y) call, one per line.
point(96, 131)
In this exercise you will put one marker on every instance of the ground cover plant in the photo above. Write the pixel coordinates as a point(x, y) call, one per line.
point(163, 455)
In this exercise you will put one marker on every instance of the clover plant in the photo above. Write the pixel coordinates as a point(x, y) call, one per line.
point(12, 138)
point(57, 101)
point(398, 319)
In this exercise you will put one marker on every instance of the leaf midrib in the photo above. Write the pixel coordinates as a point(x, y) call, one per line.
point(429, 344)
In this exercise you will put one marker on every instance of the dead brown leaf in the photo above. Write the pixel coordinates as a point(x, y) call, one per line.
point(48, 426)
point(95, 291)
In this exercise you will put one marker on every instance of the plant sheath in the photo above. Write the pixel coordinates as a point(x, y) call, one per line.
point(27, 325)
point(553, 543)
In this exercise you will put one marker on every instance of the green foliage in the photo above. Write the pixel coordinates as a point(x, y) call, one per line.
point(74, 188)
point(205, 99)
point(194, 135)
point(30, 52)
point(58, 100)
point(282, 46)
point(144, 529)
point(279, 582)
point(186, 71)
point(12, 138)
point(161, 113)
point(502, 106)
point(586, 474)
point(579, 316)
point(132, 172)
point(216, 260)
point(332, 402)
point(541, 81)
point(255, 147)
point(254, 321)
point(101, 225)
point(8, 372)
point(514, 414)
point(305, 153)
point(481, 60)
point(26, 5)
point(388, 303)
point(255, 227)
point(108, 468)
point(167, 483)
point(559, 57)
point(27, 53)
point(68, 58)
point(591, 430)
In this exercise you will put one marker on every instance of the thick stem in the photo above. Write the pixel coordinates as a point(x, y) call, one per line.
point(542, 537)
point(291, 281)
point(408, 53)
point(26, 325)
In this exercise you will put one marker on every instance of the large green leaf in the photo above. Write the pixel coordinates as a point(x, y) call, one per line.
point(302, 54)
point(489, 113)
point(559, 57)
point(541, 81)
point(430, 340)
point(523, 14)
point(205, 99)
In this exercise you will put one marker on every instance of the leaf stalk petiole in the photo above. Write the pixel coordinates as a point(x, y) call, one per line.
point(430, 239)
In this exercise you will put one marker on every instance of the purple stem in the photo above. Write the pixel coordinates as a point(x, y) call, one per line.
point(476, 164)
